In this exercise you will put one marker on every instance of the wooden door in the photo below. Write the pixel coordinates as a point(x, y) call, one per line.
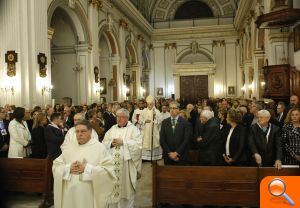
point(193, 88)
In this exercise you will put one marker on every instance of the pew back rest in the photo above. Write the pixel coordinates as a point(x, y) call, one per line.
point(204, 185)
point(26, 175)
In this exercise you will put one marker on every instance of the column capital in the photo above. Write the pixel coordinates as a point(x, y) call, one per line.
point(96, 3)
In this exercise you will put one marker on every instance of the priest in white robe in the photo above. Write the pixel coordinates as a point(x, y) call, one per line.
point(125, 144)
point(151, 122)
point(83, 174)
point(137, 113)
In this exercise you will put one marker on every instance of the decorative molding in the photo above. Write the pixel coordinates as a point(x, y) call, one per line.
point(130, 11)
point(50, 33)
point(243, 11)
point(72, 4)
point(221, 31)
point(96, 3)
point(194, 69)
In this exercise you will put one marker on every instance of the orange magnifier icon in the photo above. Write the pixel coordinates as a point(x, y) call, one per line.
point(277, 188)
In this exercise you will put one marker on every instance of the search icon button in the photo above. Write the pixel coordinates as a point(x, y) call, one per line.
point(277, 188)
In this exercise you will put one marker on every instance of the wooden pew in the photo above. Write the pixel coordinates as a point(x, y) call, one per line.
point(27, 175)
point(206, 185)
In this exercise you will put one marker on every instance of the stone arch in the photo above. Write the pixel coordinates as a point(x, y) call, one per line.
point(111, 38)
point(78, 17)
point(206, 54)
point(131, 52)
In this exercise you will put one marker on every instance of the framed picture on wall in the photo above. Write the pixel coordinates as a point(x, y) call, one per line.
point(297, 38)
point(103, 86)
point(231, 91)
point(160, 92)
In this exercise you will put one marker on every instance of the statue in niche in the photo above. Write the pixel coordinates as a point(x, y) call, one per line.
point(194, 47)
point(96, 73)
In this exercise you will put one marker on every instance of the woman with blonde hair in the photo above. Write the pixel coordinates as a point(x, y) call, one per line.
point(291, 139)
point(38, 146)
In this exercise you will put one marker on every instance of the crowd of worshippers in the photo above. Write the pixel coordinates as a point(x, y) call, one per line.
point(225, 131)
point(104, 144)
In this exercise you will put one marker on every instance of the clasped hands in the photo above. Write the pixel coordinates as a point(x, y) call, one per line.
point(228, 159)
point(117, 142)
point(173, 156)
point(258, 160)
point(78, 167)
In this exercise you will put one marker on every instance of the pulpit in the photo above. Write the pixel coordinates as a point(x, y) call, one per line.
point(281, 81)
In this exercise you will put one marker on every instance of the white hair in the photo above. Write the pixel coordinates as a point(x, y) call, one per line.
point(123, 111)
point(207, 114)
point(264, 113)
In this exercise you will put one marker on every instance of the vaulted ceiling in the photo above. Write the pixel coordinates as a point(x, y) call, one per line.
point(163, 10)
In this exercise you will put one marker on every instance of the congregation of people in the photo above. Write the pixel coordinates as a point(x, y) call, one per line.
point(105, 144)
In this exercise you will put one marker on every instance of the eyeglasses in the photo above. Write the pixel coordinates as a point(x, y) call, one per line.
point(173, 108)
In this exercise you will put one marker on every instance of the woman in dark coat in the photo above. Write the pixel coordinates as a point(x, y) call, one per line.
point(38, 146)
point(234, 140)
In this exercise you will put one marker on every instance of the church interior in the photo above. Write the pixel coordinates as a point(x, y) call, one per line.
point(85, 52)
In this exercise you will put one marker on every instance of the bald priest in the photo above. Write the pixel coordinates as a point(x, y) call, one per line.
point(83, 174)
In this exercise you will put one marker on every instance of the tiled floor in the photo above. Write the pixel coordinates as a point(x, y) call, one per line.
point(143, 197)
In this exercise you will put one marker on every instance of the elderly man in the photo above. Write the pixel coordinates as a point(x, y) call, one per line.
point(208, 140)
point(265, 141)
point(125, 144)
point(151, 121)
point(70, 137)
point(175, 137)
point(83, 174)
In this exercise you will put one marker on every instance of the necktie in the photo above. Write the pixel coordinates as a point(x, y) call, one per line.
point(173, 125)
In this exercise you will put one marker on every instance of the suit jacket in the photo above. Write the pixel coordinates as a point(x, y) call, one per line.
point(38, 146)
point(269, 151)
point(54, 138)
point(175, 142)
point(193, 118)
point(109, 119)
point(210, 152)
point(237, 144)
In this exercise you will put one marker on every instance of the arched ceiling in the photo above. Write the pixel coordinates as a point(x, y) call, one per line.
point(163, 10)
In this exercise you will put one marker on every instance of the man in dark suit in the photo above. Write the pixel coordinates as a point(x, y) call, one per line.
point(54, 136)
point(208, 140)
point(265, 141)
point(175, 137)
point(4, 134)
point(68, 117)
point(110, 116)
point(281, 114)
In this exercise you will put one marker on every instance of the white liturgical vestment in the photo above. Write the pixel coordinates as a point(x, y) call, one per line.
point(91, 189)
point(127, 162)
